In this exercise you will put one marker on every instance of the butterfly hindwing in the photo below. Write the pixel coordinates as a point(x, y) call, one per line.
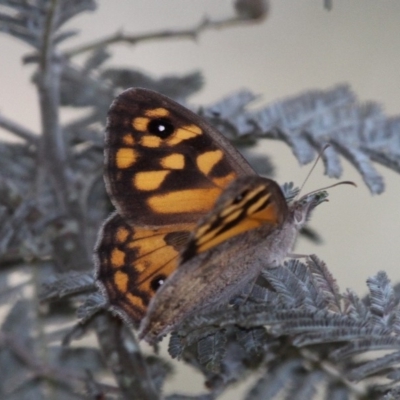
point(133, 262)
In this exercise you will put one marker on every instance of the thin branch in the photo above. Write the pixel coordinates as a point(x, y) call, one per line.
point(192, 33)
point(18, 130)
point(53, 151)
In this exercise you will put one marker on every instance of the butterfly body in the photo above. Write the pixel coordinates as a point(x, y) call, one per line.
point(193, 223)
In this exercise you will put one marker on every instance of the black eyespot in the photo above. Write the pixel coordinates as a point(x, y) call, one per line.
point(157, 282)
point(161, 127)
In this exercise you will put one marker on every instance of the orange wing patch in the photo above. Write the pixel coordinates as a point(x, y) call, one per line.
point(149, 180)
point(184, 133)
point(157, 112)
point(125, 157)
point(173, 161)
point(133, 262)
point(208, 160)
point(184, 201)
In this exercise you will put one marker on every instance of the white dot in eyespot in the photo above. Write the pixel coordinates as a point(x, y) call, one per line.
point(161, 282)
point(161, 128)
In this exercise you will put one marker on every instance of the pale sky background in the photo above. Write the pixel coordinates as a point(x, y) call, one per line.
point(299, 47)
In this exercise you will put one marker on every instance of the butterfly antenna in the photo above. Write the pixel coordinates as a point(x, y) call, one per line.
point(331, 186)
point(312, 169)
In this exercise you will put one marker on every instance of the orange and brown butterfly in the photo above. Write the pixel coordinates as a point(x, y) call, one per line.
point(164, 169)
point(186, 202)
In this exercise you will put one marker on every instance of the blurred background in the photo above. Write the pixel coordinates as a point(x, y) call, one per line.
point(298, 47)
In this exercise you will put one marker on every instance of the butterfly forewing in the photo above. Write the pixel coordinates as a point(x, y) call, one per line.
point(165, 165)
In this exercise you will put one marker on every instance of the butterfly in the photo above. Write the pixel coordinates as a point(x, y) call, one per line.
point(194, 223)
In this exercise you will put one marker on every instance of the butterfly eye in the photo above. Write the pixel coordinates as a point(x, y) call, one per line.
point(161, 127)
point(157, 282)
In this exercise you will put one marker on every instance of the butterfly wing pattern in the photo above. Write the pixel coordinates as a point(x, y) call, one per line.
point(164, 169)
point(163, 164)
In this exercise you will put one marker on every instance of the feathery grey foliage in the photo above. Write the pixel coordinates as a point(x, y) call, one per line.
point(296, 329)
point(360, 133)
point(310, 334)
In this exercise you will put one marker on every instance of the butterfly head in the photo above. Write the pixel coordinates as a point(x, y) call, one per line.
point(301, 209)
